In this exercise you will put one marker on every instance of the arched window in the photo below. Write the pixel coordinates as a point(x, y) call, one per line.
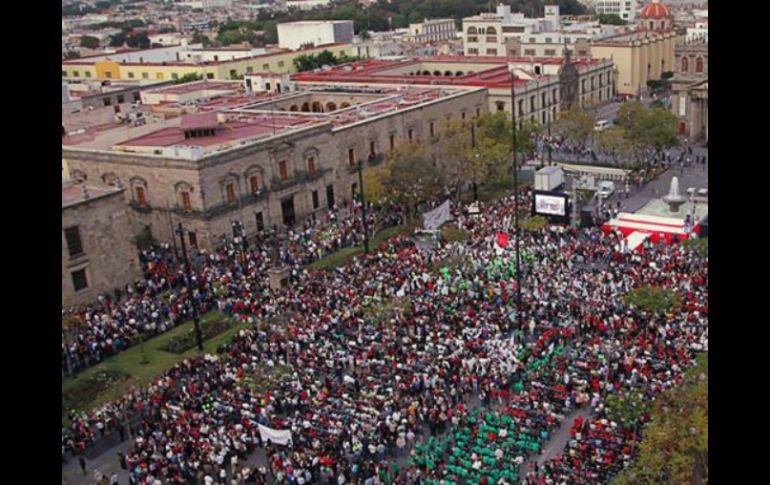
point(293, 108)
point(459, 73)
point(447, 73)
point(305, 107)
point(110, 178)
point(331, 106)
point(491, 31)
point(344, 105)
point(500, 105)
point(139, 191)
point(317, 108)
point(184, 195)
point(699, 64)
point(472, 31)
point(436, 73)
point(78, 176)
point(254, 176)
point(685, 64)
point(311, 159)
point(230, 188)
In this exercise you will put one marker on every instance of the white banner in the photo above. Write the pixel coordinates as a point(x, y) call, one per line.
point(276, 436)
point(549, 204)
point(434, 218)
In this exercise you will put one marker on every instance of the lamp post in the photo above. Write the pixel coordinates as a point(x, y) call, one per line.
point(516, 201)
point(473, 146)
point(363, 205)
point(193, 301)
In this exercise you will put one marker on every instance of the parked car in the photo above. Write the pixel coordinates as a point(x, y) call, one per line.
point(606, 189)
point(601, 125)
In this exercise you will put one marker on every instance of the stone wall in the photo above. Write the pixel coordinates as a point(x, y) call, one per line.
point(109, 256)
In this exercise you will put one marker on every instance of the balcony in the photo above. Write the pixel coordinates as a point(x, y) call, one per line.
point(139, 207)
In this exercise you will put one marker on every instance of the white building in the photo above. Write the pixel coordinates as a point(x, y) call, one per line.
point(304, 4)
point(625, 9)
point(293, 35)
point(486, 34)
point(205, 4)
point(380, 44)
point(433, 30)
point(699, 32)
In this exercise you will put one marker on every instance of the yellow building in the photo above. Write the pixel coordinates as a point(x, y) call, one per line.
point(641, 55)
point(170, 63)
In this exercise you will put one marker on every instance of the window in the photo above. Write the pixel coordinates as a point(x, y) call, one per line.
point(311, 164)
point(249, 69)
point(371, 147)
point(108, 74)
point(280, 63)
point(233, 73)
point(411, 134)
point(553, 96)
point(265, 67)
point(131, 75)
point(316, 202)
point(529, 52)
point(145, 75)
point(352, 156)
point(260, 221)
point(158, 75)
point(531, 104)
point(547, 40)
point(141, 196)
point(491, 52)
point(432, 129)
point(462, 115)
point(193, 239)
point(500, 106)
point(699, 64)
point(473, 51)
point(79, 280)
point(186, 202)
point(282, 167)
point(121, 99)
point(64, 74)
point(392, 143)
point(174, 75)
point(254, 184)
point(550, 52)
point(543, 100)
point(478, 111)
point(74, 243)
point(521, 108)
point(76, 73)
point(209, 75)
point(88, 73)
point(107, 101)
point(136, 97)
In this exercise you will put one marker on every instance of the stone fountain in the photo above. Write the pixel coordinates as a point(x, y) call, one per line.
point(674, 199)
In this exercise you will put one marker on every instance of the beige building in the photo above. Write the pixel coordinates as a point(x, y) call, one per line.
point(689, 89)
point(638, 57)
point(433, 30)
point(98, 254)
point(266, 160)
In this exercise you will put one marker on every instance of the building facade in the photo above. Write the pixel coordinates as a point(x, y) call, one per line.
point(294, 35)
point(266, 163)
point(220, 65)
point(625, 9)
point(433, 30)
point(689, 89)
point(98, 254)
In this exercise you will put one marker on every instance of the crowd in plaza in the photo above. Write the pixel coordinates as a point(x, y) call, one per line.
point(450, 385)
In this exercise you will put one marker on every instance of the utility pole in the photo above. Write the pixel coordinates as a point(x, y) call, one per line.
point(516, 202)
point(473, 146)
point(363, 205)
point(193, 301)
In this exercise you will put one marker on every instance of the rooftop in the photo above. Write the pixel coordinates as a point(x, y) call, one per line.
point(230, 121)
point(76, 193)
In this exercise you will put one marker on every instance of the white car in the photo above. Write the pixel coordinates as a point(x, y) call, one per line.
point(606, 189)
point(601, 125)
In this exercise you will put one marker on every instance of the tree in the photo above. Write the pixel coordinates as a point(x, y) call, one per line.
point(575, 123)
point(412, 177)
point(675, 444)
point(190, 77)
point(525, 137)
point(454, 152)
point(118, 40)
point(611, 19)
point(199, 38)
point(365, 35)
point(614, 140)
point(89, 42)
point(72, 55)
point(492, 157)
point(138, 41)
point(375, 183)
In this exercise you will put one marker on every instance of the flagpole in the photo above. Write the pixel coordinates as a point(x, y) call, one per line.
point(516, 201)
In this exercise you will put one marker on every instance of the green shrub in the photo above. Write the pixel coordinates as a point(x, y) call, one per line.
point(184, 342)
point(700, 246)
point(87, 389)
point(534, 224)
point(653, 299)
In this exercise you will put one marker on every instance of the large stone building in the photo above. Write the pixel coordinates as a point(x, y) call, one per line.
point(538, 83)
point(625, 9)
point(261, 159)
point(97, 250)
point(433, 30)
point(689, 88)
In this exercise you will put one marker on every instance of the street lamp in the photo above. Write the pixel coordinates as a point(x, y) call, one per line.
point(196, 315)
point(516, 201)
point(363, 205)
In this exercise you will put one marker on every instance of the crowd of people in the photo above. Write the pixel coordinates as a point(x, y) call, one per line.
point(455, 377)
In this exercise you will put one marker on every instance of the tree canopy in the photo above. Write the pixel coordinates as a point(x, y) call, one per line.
point(89, 42)
point(575, 123)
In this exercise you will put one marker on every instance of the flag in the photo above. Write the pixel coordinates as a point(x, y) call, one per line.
point(434, 218)
point(502, 239)
point(276, 436)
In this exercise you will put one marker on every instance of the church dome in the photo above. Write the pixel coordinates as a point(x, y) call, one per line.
point(655, 10)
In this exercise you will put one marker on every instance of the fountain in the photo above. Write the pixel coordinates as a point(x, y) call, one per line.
point(673, 198)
